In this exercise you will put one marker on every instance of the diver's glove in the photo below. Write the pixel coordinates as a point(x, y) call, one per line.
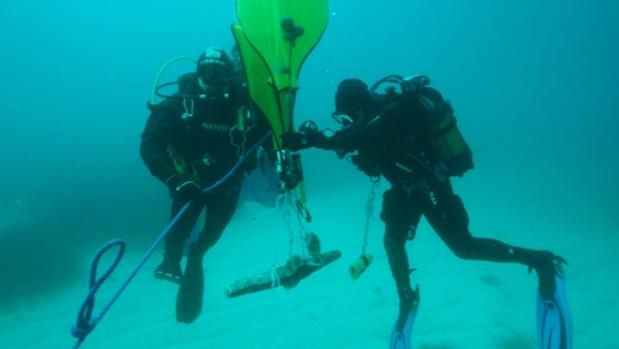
point(184, 188)
point(294, 141)
point(306, 137)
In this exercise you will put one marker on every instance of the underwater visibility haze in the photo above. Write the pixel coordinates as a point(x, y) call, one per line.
point(534, 89)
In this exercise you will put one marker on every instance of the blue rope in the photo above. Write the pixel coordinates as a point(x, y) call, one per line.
point(86, 322)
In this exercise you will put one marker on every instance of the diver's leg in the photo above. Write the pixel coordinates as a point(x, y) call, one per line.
point(220, 208)
point(170, 268)
point(450, 220)
point(400, 215)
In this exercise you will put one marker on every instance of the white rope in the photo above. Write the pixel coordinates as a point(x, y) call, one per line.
point(275, 280)
point(288, 221)
point(189, 106)
point(302, 234)
point(287, 202)
point(369, 211)
point(296, 235)
point(239, 148)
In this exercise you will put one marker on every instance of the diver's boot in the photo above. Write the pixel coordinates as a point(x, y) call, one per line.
point(401, 335)
point(189, 297)
point(169, 269)
point(554, 318)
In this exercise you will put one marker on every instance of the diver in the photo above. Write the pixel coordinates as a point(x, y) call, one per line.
point(409, 136)
point(190, 141)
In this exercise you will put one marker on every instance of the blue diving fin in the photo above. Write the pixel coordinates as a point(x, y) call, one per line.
point(554, 318)
point(402, 333)
point(402, 339)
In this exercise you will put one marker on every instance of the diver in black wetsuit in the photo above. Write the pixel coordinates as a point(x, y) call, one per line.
point(190, 141)
point(412, 140)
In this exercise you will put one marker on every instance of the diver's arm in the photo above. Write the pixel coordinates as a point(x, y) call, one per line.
point(310, 136)
point(153, 147)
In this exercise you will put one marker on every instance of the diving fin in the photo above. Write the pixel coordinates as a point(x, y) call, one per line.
point(169, 270)
point(401, 336)
point(554, 318)
point(402, 333)
point(191, 291)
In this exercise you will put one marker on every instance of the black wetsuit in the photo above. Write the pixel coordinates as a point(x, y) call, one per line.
point(397, 144)
point(202, 147)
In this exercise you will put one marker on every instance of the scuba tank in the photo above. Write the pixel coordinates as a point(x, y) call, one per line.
point(451, 148)
point(452, 152)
